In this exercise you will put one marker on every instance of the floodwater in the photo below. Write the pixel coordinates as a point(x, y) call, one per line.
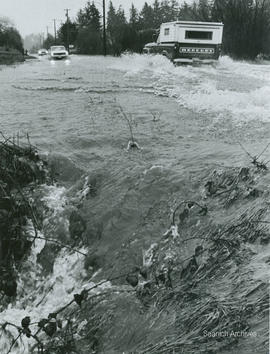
point(187, 121)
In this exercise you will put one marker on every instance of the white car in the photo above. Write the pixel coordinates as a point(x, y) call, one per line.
point(42, 52)
point(58, 52)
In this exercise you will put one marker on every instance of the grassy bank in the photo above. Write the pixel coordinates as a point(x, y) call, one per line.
point(10, 56)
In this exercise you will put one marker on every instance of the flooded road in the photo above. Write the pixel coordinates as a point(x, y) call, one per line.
point(187, 121)
point(71, 107)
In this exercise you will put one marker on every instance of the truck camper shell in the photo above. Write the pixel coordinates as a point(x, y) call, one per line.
point(188, 41)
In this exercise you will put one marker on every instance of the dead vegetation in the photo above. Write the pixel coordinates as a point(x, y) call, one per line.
point(132, 144)
point(56, 333)
point(21, 169)
point(231, 185)
point(209, 292)
point(208, 300)
point(187, 297)
point(155, 116)
point(260, 165)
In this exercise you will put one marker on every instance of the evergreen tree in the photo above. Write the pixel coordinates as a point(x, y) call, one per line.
point(112, 27)
point(89, 37)
point(89, 17)
point(89, 42)
point(116, 28)
point(147, 17)
point(166, 11)
point(69, 29)
point(157, 14)
point(49, 41)
point(204, 10)
point(218, 10)
point(174, 9)
point(188, 12)
point(134, 17)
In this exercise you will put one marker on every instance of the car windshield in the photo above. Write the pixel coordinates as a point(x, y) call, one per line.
point(60, 47)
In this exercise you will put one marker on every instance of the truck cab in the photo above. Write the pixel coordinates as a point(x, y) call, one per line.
point(188, 41)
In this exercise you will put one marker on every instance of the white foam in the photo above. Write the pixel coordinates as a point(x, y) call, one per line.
point(132, 64)
point(235, 89)
point(55, 198)
point(242, 106)
point(38, 296)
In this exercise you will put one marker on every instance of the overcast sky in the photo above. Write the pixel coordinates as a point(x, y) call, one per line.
point(32, 16)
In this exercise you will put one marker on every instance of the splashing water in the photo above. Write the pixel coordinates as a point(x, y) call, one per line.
point(38, 295)
point(214, 90)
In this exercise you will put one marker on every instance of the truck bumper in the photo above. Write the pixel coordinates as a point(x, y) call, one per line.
point(194, 61)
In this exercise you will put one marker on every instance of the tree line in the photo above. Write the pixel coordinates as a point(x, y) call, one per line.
point(9, 36)
point(246, 25)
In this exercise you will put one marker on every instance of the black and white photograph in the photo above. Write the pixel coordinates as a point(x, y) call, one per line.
point(134, 176)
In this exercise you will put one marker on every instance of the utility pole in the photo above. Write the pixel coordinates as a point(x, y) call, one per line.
point(104, 30)
point(54, 26)
point(67, 24)
point(47, 27)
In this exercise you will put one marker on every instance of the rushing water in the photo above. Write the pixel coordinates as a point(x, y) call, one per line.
point(186, 120)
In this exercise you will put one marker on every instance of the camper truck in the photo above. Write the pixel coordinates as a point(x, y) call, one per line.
point(188, 42)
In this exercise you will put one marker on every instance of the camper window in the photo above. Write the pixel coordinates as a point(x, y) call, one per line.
point(199, 35)
point(166, 31)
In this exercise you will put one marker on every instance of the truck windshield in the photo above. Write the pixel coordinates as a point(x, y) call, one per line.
point(60, 47)
point(199, 35)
